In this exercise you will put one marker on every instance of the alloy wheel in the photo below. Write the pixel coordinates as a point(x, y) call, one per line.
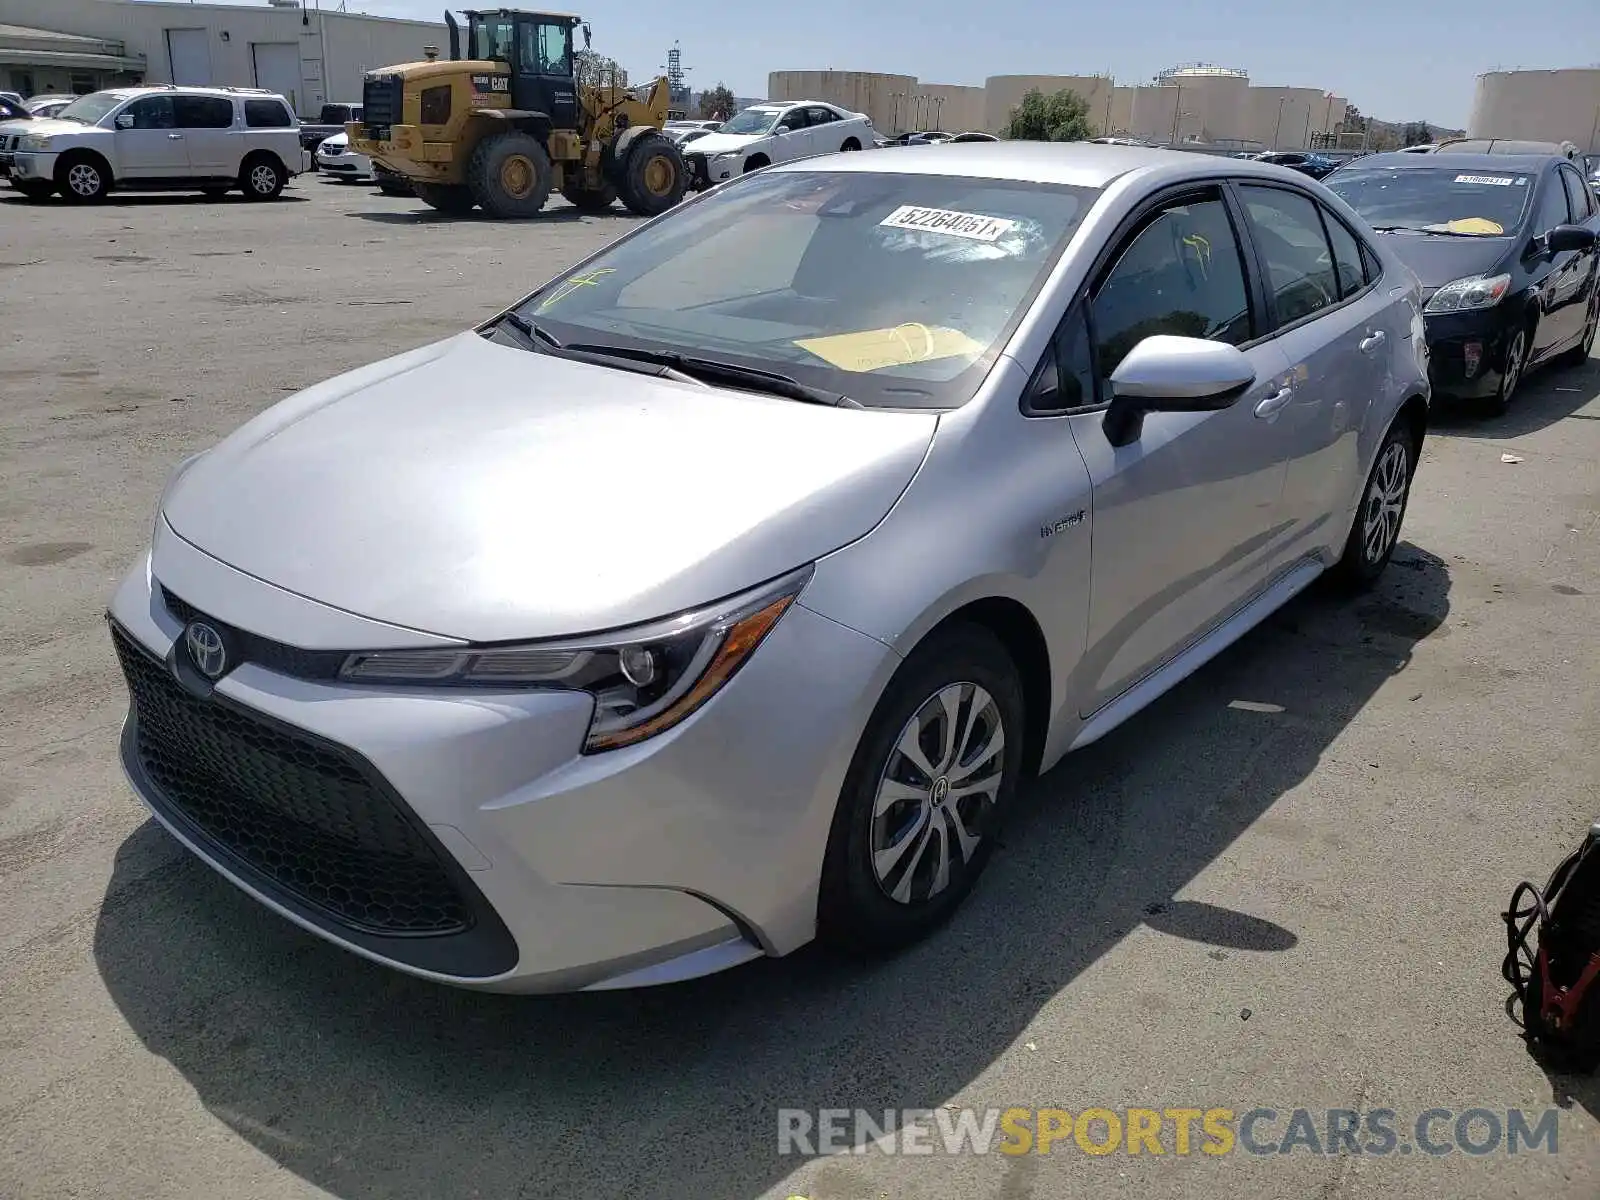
point(84, 180)
point(263, 179)
point(933, 800)
point(1385, 503)
point(1513, 369)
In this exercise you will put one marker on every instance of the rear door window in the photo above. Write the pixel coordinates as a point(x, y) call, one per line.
point(203, 112)
point(1288, 231)
point(266, 114)
point(1578, 200)
point(1347, 259)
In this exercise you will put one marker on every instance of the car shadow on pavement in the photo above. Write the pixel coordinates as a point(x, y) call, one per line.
point(367, 1083)
point(429, 216)
point(1549, 395)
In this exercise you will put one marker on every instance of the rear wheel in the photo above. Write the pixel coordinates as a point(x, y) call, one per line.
point(933, 774)
point(509, 175)
point(450, 198)
point(590, 200)
point(655, 177)
point(262, 178)
point(1579, 354)
point(1376, 530)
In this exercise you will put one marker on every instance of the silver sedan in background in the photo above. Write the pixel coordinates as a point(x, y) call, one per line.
point(720, 594)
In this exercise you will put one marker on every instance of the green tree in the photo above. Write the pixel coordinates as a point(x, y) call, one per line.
point(718, 104)
point(1416, 133)
point(596, 70)
point(1063, 117)
point(1353, 121)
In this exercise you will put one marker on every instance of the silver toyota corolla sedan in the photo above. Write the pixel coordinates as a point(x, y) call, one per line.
point(720, 594)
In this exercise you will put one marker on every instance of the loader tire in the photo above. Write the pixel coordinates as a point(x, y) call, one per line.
point(654, 177)
point(509, 175)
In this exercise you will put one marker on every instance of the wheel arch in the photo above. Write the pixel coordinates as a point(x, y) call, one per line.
point(260, 153)
point(1414, 412)
point(1018, 631)
point(79, 154)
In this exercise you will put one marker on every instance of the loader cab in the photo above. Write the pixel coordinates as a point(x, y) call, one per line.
point(537, 50)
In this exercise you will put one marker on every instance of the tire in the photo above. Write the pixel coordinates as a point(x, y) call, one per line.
point(872, 903)
point(83, 179)
point(1510, 374)
point(755, 162)
point(450, 198)
point(849, 144)
point(34, 189)
point(590, 200)
point(654, 177)
point(1381, 514)
point(262, 177)
point(509, 175)
point(1579, 354)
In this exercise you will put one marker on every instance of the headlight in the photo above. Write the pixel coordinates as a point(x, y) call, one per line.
point(1474, 292)
point(34, 141)
point(726, 155)
point(644, 680)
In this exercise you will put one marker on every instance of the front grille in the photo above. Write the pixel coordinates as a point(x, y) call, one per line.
point(264, 652)
point(380, 104)
point(309, 817)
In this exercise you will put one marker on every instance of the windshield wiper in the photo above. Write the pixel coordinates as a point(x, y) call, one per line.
point(711, 370)
point(546, 342)
point(1424, 230)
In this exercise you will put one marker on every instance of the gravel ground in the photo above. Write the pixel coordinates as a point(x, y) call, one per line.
point(1277, 888)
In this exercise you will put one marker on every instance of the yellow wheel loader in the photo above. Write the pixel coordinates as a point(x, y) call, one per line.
point(506, 121)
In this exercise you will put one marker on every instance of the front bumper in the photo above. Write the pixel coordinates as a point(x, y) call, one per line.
point(706, 172)
point(1467, 353)
point(553, 871)
point(33, 164)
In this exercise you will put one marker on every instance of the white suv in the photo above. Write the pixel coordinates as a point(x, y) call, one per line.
point(158, 139)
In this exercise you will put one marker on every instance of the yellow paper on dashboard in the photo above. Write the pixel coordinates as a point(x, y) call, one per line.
point(1479, 225)
point(895, 346)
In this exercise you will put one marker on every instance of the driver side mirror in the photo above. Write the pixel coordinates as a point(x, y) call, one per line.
point(1165, 373)
point(781, 129)
point(124, 121)
point(1569, 237)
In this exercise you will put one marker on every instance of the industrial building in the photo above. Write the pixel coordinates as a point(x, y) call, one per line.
point(1196, 103)
point(1542, 106)
point(306, 55)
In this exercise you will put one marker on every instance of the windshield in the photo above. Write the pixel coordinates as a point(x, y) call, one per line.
point(752, 120)
point(91, 108)
point(895, 290)
point(492, 38)
point(1437, 199)
point(338, 114)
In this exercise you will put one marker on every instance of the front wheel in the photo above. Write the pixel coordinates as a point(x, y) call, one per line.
point(932, 776)
point(510, 175)
point(83, 180)
point(1376, 530)
point(1510, 373)
point(654, 177)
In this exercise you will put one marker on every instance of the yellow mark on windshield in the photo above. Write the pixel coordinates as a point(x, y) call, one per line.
point(1475, 225)
point(895, 346)
point(1202, 251)
point(568, 286)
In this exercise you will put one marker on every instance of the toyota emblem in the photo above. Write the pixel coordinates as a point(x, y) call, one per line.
point(206, 650)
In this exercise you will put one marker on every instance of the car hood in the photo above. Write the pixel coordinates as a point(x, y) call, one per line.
point(338, 141)
point(55, 125)
point(1437, 261)
point(721, 143)
point(483, 492)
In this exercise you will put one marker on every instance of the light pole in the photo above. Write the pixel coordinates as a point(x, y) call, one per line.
point(1177, 113)
point(1305, 141)
point(938, 112)
point(1279, 123)
point(897, 97)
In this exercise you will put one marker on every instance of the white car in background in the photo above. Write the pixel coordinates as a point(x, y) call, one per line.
point(775, 132)
point(335, 157)
point(47, 106)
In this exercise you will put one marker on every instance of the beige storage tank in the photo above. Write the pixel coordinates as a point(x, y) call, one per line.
point(1155, 115)
point(1004, 92)
point(1210, 101)
point(1283, 118)
point(1121, 120)
point(884, 98)
point(948, 106)
point(1542, 106)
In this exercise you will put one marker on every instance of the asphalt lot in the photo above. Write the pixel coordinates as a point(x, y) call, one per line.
point(1277, 888)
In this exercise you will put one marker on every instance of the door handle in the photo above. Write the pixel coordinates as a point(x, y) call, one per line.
point(1372, 342)
point(1274, 402)
point(174, 137)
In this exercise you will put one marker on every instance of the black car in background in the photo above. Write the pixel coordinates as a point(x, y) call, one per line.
point(1505, 247)
point(1307, 163)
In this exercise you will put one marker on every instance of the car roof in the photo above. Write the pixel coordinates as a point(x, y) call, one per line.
point(1076, 164)
point(1457, 161)
point(1500, 147)
point(184, 89)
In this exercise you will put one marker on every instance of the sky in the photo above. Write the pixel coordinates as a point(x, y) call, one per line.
point(1398, 60)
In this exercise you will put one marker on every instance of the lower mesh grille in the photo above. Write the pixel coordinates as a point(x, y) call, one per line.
point(301, 813)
